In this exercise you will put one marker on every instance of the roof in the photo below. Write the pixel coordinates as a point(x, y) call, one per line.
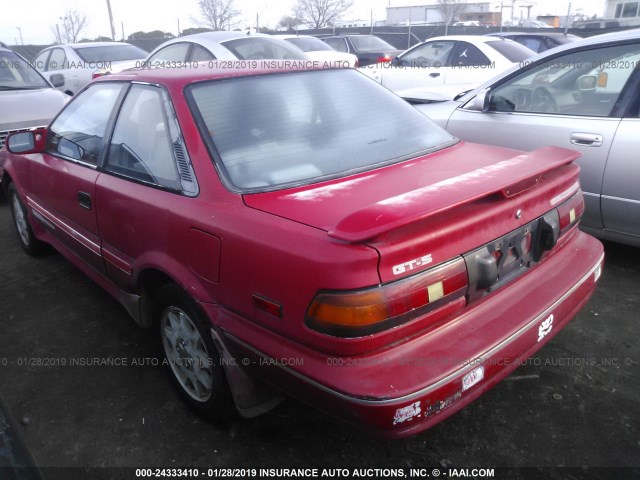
point(465, 38)
point(532, 34)
point(179, 77)
point(88, 44)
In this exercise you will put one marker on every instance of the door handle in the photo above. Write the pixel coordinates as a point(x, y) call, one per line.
point(434, 74)
point(84, 199)
point(586, 139)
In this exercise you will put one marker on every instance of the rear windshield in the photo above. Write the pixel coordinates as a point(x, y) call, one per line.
point(302, 127)
point(261, 48)
point(370, 43)
point(309, 44)
point(111, 53)
point(512, 51)
point(17, 74)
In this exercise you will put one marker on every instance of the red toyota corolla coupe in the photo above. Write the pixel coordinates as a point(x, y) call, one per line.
point(307, 232)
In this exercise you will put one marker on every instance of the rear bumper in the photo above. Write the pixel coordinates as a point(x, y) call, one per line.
point(409, 387)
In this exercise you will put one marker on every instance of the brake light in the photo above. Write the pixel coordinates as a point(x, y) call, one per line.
point(98, 74)
point(384, 59)
point(571, 211)
point(371, 310)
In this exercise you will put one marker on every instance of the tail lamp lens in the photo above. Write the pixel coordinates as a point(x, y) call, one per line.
point(362, 312)
point(571, 211)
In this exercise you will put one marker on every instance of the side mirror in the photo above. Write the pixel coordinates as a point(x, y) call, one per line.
point(396, 62)
point(57, 80)
point(587, 83)
point(33, 141)
point(480, 102)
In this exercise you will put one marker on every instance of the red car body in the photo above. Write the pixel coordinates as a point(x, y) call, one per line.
point(390, 296)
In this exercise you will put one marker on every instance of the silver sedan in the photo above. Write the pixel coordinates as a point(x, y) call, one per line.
point(584, 96)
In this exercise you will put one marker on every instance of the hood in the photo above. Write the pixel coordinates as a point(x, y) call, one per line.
point(29, 108)
point(366, 205)
point(436, 93)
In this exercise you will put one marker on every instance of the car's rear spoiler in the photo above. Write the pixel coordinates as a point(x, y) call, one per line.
point(508, 177)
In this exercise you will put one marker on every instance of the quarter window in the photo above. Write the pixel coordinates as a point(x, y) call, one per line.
point(176, 52)
point(79, 130)
point(144, 140)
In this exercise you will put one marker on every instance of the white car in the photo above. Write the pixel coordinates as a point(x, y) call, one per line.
point(77, 62)
point(467, 60)
point(318, 50)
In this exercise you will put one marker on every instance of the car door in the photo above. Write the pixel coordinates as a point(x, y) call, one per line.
point(69, 66)
point(146, 186)
point(424, 65)
point(63, 179)
point(620, 192)
point(569, 100)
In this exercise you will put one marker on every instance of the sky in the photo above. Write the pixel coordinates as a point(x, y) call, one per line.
point(36, 19)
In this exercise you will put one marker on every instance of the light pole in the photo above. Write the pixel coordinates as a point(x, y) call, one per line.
point(20, 31)
point(113, 30)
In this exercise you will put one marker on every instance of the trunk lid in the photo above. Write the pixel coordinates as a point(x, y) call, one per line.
point(425, 211)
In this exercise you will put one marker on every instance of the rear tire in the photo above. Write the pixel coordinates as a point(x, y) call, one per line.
point(27, 239)
point(190, 355)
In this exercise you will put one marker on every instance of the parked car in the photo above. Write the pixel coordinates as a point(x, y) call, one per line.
point(318, 50)
point(439, 62)
point(209, 46)
point(77, 62)
point(597, 23)
point(368, 48)
point(27, 99)
point(223, 46)
point(582, 95)
point(309, 231)
point(538, 42)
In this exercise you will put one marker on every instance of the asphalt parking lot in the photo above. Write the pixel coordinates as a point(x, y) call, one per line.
point(575, 404)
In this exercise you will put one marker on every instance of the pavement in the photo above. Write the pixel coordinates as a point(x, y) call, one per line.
point(574, 404)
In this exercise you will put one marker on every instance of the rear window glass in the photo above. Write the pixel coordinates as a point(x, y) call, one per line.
point(302, 127)
point(512, 51)
point(370, 43)
point(260, 48)
point(307, 44)
point(112, 53)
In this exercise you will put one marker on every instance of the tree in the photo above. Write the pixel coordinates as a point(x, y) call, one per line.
point(218, 14)
point(192, 31)
point(73, 23)
point(451, 10)
point(321, 13)
point(289, 23)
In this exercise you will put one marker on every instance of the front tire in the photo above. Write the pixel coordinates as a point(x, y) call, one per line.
point(27, 239)
point(190, 354)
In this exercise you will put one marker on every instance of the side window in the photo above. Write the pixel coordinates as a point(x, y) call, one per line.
point(176, 52)
point(199, 54)
point(430, 54)
point(57, 61)
point(468, 55)
point(145, 139)
point(79, 130)
point(41, 61)
point(338, 44)
point(585, 83)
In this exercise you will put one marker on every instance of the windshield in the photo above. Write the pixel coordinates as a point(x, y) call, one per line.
point(16, 74)
point(370, 43)
point(512, 51)
point(110, 53)
point(309, 44)
point(261, 48)
point(303, 127)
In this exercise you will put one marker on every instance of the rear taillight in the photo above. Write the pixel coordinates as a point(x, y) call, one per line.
point(384, 59)
point(570, 212)
point(371, 310)
point(98, 74)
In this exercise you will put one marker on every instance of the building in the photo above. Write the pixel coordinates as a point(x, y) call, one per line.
point(485, 13)
point(622, 9)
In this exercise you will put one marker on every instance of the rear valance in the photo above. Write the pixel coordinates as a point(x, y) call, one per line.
point(508, 177)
